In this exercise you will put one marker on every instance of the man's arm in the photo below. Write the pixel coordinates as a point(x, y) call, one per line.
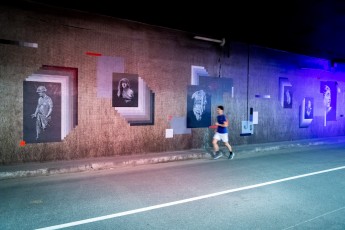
point(225, 123)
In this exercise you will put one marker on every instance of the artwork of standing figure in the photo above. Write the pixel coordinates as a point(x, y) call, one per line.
point(43, 110)
point(287, 97)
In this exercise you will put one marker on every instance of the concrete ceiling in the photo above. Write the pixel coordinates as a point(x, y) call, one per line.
point(314, 28)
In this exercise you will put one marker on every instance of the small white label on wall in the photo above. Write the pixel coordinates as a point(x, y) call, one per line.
point(169, 133)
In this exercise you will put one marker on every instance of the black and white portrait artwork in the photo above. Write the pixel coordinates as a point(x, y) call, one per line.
point(42, 112)
point(198, 107)
point(125, 90)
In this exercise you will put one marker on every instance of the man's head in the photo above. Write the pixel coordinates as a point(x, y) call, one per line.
point(220, 109)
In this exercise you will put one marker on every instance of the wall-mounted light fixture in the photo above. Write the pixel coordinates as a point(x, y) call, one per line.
point(221, 42)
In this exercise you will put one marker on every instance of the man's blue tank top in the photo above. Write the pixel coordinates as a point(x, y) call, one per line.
point(221, 119)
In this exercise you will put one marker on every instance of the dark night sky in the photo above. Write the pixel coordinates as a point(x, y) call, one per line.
point(315, 28)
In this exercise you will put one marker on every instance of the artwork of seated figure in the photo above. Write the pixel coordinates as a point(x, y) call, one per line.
point(308, 110)
point(124, 90)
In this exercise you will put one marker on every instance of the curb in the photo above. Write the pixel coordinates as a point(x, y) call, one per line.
point(242, 151)
point(94, 166)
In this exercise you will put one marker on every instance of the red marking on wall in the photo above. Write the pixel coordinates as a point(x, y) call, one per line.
point(93, 54)
point(170, 117)
point(22, 143)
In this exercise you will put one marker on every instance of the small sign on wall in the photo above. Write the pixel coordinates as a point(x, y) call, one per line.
point(169, 133)
point(247, 128)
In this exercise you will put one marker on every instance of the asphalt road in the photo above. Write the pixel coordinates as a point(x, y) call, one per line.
point(297, 188)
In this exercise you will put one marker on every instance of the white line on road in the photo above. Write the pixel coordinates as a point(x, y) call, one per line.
point(325, 214)
point(80, 222)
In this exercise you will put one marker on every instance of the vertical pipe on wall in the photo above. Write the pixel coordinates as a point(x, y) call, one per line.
point(220, 61)
point(248, 79)
point(219, 66)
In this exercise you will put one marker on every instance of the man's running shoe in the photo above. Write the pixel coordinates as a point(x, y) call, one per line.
point(219, 155)
point(231, 156)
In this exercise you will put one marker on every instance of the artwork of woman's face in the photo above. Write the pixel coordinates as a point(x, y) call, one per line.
point(327, 96)
point(124, 84)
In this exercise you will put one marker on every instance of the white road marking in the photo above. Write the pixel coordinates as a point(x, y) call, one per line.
point(80, 222)
point(316, 217)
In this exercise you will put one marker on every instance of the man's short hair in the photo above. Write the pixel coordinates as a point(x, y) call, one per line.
point(220, 107)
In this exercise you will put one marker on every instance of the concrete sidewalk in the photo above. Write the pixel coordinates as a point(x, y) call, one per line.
point(91, 164)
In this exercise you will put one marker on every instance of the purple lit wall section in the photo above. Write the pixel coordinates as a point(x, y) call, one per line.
point(304, 75)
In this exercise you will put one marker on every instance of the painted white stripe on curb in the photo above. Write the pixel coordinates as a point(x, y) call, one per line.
point(60, 226)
